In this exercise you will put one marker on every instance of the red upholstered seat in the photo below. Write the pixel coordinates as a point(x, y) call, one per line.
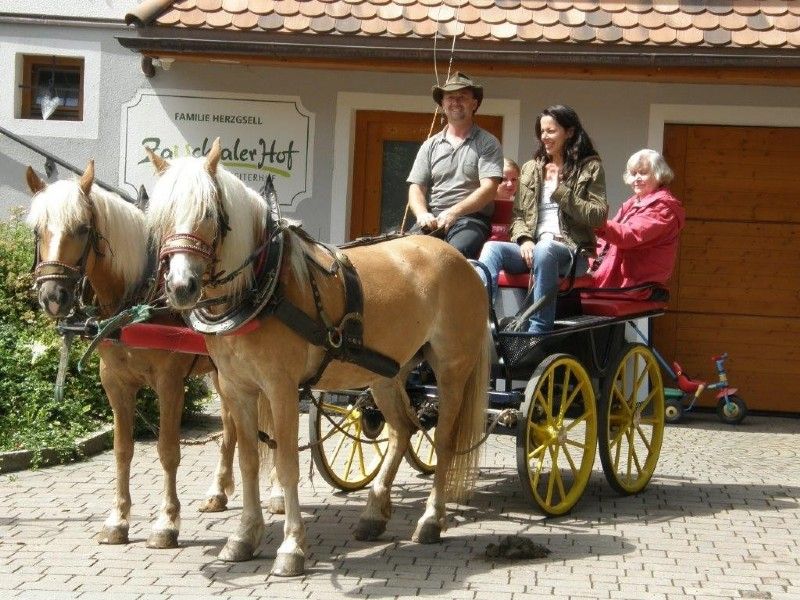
point(501, 220)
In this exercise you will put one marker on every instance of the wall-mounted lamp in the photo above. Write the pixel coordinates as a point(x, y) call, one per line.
point(164, 63)
point(149, 65)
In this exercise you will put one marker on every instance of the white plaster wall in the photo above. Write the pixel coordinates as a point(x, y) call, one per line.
point(120, 76)
point(94, 9)
point(617, 115)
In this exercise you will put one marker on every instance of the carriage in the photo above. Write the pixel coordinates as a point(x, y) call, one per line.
point(582, 386)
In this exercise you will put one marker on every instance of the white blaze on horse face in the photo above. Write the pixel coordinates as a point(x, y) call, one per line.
point(184, 278)
point(53, 297)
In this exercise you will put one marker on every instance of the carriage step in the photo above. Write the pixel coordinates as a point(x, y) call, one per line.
point(580, 320)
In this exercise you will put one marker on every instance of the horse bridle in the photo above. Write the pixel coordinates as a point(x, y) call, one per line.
point(70, 276)
point(193, 244)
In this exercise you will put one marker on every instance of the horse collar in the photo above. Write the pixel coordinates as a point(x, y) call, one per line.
point(266, 269)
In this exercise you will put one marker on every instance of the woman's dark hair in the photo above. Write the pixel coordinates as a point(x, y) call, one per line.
point(577, 147)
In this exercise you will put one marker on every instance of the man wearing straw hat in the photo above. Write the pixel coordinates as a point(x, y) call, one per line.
point(456, 172)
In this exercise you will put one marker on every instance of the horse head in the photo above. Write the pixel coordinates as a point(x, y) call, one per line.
point(187, 215)
point(62, 217)
point(76, 226)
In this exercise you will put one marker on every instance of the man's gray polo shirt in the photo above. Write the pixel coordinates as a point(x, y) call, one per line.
point(451, 174)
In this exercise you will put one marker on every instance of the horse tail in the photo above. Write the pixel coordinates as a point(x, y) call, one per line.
point(265, 454)
point(471, 426)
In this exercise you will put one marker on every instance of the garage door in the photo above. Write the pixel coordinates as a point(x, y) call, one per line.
point(737, 284)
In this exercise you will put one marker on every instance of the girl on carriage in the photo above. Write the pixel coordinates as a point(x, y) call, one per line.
point(561, 199)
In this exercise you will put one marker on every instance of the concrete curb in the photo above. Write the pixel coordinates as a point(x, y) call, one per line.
point(90, 445)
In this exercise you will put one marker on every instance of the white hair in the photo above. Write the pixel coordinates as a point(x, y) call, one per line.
point(655, 163)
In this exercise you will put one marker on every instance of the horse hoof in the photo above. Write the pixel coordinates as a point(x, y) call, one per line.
point(369, 529)
point(427, 534)
point(288, 565)
point(216, 503)
point(236, 551)
point(276, 505)
point(163, 539)
point(113, 535)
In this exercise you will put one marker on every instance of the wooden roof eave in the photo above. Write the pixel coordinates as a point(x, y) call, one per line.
point(590, 61)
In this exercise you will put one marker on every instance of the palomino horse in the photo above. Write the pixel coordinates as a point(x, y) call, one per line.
point(84, 230)
point(421, 299)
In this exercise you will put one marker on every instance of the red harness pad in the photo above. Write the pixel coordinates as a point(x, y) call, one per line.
point(153, 336)
point(606, 307)
point(163, 337)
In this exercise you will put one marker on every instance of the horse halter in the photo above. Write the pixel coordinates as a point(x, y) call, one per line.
point(70, 276)
point(192, 244)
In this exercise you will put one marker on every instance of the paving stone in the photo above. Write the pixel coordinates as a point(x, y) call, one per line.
point(703, 528)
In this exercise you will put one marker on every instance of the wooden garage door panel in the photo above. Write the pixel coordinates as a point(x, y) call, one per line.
point(736, 286)
point(736, 268)
point(764, 353)
point(761, 205)
point(713, 138)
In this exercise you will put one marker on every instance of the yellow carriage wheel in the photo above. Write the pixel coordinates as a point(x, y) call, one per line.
point(557, 434)
point(421, 454)
point(354, 439)
point(632, 419)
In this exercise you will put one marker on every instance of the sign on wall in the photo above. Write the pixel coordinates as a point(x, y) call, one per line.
point(259, 135)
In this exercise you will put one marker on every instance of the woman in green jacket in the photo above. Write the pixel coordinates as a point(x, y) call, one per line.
point(561, 199)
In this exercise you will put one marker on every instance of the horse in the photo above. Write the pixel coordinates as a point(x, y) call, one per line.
point(421, 301)
point(84, 231)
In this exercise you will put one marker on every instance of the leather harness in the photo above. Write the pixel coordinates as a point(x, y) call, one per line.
point(343, 342)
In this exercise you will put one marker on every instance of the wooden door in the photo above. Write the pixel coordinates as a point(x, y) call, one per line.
point(386, 143)
point(736, 287)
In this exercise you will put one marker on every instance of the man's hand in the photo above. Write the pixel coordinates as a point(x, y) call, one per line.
point(427, 221)
point(446, 219)
point(526, 251)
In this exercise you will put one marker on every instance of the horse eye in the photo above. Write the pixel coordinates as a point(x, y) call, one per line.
point(82, 230)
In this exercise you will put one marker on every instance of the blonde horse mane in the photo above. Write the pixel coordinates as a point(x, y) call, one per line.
point(186, 195)
point(60, 207)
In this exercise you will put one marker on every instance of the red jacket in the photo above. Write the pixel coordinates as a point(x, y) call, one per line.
point(640, 244)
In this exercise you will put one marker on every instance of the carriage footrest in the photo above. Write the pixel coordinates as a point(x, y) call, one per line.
point(617, 307)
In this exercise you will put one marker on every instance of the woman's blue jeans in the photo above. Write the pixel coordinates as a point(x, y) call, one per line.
point(551, 260)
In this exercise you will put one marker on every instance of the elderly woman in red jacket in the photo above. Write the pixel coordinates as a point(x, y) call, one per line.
point(640, 244)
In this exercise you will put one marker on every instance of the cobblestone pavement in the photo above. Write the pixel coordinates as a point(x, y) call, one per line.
point(719, 520)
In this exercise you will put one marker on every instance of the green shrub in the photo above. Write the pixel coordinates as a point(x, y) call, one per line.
point(30, 417)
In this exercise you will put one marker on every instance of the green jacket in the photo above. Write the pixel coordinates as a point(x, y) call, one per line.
point(581, 200)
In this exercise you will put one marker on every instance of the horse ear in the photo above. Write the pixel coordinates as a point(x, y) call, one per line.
point(87, 179)
point(159, 163)
point(142, 199)
point(212, 160)
point(35, 183)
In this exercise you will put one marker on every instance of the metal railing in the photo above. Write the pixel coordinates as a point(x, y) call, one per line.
point(51, 159)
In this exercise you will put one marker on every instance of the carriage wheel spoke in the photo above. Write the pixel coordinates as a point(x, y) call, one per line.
point(575, 422)
point(623, 401)
point(539, 465)
point(564, 390)
point(567, 402)
point(551, 480)
point(342, 438)
point(644, 437)
point(569, 458)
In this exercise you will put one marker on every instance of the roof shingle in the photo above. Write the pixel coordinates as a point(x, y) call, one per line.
point(712, 23)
